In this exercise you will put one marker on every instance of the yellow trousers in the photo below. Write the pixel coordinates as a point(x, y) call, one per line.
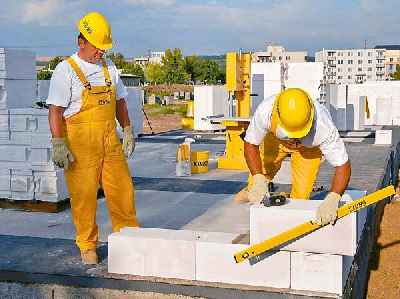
point(305, 163)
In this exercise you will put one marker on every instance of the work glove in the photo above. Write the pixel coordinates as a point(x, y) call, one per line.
point(259, 188)
point(327, 211)
point(61, 155)
point(128, 142)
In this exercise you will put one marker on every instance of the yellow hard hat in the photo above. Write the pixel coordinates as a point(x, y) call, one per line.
point(295, 111)
point(96, 29)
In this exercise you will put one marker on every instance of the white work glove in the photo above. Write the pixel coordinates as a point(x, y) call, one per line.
point(128, 142)
point(327, 211)
point(61, 155)
point(259, 188)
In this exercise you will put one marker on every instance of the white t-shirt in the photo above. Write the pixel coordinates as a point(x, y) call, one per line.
point(323, 133)
point(66, 88)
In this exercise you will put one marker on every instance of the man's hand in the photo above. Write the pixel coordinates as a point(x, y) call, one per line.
point(327, 211)
point(259, 188)
point(128, 142)
point(61, 155)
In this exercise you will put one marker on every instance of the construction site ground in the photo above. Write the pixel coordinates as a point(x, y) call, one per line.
point(38, 255)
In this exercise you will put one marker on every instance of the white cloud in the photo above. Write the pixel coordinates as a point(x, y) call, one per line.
point(39, 11)
point(152, 3)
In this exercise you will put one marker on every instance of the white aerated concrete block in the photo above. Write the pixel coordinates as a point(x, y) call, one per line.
point(21, 138)
point(341, 238)
point(22, 183)
point(5, 180)
point(4, 118)
point(143, 252)
point(41, 140)
point(383, 137)
point(319, 272)
point(29, 119)
point(22, 195)
point(40, 156)
point(215, 263)
point(50, 186)
point(4, 137)
point(14, 153)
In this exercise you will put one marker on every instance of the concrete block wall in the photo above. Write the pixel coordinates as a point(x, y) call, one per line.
point(25, 151)
point(322, 264)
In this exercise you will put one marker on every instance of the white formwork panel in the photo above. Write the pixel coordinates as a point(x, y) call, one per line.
point(215, 263)
point(396, 111)
point(135, 108)
point(4, 120)
point(319, 272)
point(270, 70)
point(43, 89)
point(383, 111)
point(383, 137)
point(209, 100)
point(341, 238)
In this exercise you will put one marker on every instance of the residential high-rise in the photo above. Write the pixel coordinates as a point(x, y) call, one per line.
point(352, 65)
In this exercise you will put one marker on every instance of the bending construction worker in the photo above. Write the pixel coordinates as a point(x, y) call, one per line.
point(292, 124)
point(85, 96)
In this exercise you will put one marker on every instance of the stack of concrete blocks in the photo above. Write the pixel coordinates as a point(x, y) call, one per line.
point(209, 101)
point(17, 78)
point(266, 79)
point(25, 157)
point(318, 262)
point(347, 104)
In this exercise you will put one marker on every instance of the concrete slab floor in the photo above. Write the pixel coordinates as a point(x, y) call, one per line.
point(200, 202)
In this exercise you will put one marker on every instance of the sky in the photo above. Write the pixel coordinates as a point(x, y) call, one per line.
point(208, 27)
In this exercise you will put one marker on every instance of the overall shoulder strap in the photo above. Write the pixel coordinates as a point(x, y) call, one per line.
point(106, 73)
point(79, 72)
point(274, 118)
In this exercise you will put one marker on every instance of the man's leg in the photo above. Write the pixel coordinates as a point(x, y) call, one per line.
point(305, 166)
point(82, 186)
point(118, 187)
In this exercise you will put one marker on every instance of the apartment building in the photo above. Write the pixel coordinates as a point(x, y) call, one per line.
point(392, 58)
point(279, 54)
point(347, 66)
point(152, 57)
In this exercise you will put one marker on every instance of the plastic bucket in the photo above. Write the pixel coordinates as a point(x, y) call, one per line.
point(199, 161)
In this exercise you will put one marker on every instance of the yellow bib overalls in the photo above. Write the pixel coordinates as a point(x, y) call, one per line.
point(92, 138)
point(305, 161)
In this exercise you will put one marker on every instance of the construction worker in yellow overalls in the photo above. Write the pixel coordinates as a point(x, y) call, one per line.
point(292, 124)
point(86, 95)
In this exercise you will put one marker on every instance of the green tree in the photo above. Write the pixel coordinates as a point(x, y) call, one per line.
point(204, 70)
point(173, 66)
point(54, 62)
point(118, 59)
point(43, 75)
point(396, 74)
point(154, 73)
point(134, 69)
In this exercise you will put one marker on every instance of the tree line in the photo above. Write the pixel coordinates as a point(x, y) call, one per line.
point(173, 69)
